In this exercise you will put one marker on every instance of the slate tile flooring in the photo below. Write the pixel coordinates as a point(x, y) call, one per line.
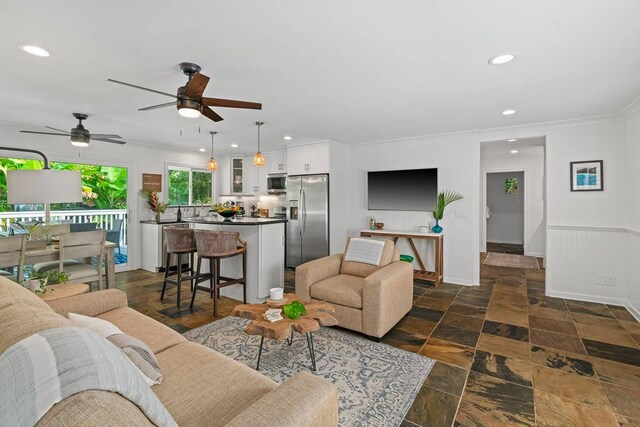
point(506, 353)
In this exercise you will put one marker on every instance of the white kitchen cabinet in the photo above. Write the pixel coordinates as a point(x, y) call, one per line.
point(223, 175)
point(308, 159)
point(255, 178)
point(238, 169)
point(277, 162)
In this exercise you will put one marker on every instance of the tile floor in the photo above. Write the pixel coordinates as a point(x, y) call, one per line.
point(506, 353)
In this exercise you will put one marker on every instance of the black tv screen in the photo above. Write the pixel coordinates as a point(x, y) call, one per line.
point(403, 190)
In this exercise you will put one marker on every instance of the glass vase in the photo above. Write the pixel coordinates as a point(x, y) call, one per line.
point(436, 228)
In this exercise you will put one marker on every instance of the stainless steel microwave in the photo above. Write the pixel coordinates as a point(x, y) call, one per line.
point(276, 183)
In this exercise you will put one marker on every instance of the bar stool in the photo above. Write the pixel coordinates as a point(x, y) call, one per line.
point(180, 241)
point(214, 246)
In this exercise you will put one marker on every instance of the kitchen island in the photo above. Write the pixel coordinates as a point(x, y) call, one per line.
point(265, 254)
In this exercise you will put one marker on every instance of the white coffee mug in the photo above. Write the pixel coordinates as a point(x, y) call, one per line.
point(276, 294)
point(424, 229)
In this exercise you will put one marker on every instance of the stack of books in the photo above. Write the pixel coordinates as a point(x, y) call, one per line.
point(273, 315)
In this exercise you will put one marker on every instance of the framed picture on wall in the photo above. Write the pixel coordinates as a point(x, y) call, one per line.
point(587, 176)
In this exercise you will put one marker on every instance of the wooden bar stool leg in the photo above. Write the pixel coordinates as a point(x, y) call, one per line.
point(193, 294)
point(166, 275)
point(244, 277)
point(216, 289)
point(179, 281)
point(191, 259)
point(212, 269)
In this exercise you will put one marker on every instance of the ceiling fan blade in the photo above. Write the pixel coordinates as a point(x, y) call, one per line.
point(208, 112)
point(104, 135)
point(45, 133)
point(230, 103)
point(59, 130)
point(196, 86)
point(153, 107)
point(143, 88)
point(112, 141)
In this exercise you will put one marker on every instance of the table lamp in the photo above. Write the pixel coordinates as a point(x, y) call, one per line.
point(43, 185)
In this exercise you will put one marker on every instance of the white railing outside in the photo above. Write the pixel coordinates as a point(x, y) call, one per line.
point(104, 218)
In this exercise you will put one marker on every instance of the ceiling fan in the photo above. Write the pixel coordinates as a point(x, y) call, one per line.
point(79, 135)
point(189, 99)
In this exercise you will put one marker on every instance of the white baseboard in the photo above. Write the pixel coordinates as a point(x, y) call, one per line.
point(589, 298)
point(456, 281)
point(634, 311)
point(535, 254)
point(508, 242)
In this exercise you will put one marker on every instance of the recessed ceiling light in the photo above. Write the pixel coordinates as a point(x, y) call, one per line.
point(502, 59)
point(234, 146)
point(287, 138)
point(202, 150)
point(514, 151)
point(508, 112)
point(35, 50)
point(512, 140)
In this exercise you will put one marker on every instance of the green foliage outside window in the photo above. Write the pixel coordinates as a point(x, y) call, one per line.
point(202, 187)
point(103, 187)
point(178, 187)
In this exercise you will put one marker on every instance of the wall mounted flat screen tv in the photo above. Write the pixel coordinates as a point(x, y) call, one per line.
point(403, 190)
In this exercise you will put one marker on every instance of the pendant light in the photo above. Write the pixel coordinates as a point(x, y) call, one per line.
point(212, 165)
point(258, 159)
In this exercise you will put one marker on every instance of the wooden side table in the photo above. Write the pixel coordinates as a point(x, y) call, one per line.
point(64, 290)
point(438, 240)
point(319, 313)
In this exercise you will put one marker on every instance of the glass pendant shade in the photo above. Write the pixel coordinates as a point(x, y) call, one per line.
point(212, 165)
point(259, 160)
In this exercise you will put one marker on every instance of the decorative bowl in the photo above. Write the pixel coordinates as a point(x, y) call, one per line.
point(379, 225)
point(227, 214)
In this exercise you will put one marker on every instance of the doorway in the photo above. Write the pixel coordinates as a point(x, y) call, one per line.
point(505, 212)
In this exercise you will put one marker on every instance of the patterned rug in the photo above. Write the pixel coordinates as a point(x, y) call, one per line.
point(376, 383)
point(512, 261)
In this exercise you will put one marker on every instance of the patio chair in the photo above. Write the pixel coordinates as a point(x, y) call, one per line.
point(113, 235)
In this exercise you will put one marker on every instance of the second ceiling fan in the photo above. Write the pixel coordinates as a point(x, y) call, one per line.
point(189, 100)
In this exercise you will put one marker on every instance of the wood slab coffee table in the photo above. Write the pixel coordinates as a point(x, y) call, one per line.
point(319, 313)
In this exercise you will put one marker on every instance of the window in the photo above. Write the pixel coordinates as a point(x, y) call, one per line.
point(189, 186)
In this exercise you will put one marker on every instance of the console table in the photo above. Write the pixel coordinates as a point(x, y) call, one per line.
point(438, 240)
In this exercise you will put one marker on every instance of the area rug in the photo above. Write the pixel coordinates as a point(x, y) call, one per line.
point(376, 383)
point(511, 260)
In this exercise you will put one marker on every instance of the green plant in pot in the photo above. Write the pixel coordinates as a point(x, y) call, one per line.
point(38, 281)
point(294, 310)
point(444, 198)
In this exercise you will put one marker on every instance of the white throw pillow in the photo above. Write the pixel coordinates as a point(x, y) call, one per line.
point(108, 329)
point(103, 327)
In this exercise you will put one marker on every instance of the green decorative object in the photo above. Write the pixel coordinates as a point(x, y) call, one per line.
point(444, 198)
point(294, 310)
point(406, 258)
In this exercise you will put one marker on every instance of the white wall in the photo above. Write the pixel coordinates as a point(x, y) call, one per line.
point(531, 160)
point(632, 208)
point(457, 158)
point(137, 158)
point(506, 222)
point(577, 219)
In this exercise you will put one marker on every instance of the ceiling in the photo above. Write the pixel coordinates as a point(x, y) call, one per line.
point(351, 71)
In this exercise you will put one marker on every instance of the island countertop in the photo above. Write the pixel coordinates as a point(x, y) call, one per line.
point(238, 221)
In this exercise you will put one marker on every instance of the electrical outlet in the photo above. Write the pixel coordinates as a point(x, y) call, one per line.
point(605, 280)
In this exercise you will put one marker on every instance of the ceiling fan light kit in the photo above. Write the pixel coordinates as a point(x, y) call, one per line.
point(188, 98)
point(258, 159)
point(79, 136)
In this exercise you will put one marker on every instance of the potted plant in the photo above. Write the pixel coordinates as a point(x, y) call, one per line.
point(38, 282)
point(155, 205)
point(444, 198)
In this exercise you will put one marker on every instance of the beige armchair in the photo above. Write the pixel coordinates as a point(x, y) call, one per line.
point(368, 299)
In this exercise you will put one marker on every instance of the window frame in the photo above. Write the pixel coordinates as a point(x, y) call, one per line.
point(191, 170)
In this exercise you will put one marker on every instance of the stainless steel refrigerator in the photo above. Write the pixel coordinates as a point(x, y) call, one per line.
point(307, 218)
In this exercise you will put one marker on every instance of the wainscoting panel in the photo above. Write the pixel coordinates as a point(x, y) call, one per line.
point(579, 257)
point(632, 256)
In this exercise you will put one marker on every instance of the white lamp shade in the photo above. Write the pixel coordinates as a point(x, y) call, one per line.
point(43, 186)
